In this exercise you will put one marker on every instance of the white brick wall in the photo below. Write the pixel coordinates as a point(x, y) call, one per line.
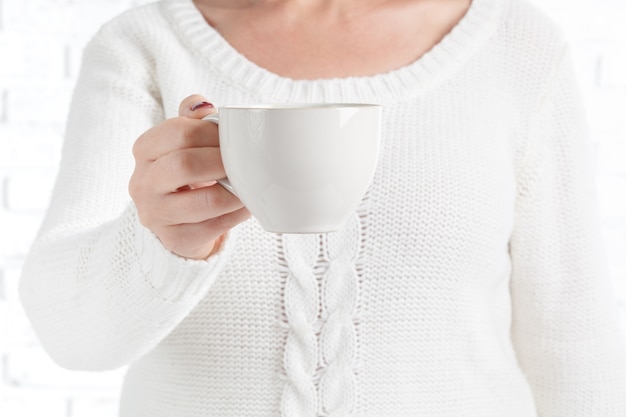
point(40, 45)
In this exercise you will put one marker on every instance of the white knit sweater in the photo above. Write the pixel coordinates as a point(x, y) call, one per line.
point(469, 283)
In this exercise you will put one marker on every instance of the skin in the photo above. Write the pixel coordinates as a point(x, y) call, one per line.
point(310, 39)
point(178, 161)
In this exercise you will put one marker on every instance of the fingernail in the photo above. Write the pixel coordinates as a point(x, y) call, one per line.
point(200, 105)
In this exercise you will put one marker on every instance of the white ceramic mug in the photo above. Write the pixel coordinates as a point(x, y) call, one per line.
point(299, 168)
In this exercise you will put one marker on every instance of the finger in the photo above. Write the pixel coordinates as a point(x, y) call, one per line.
point(180, 238)
point(196, 107)
point(184, 167)
point(198, 205)
point(174, 134)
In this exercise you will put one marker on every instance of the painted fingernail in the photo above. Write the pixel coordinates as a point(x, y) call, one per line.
point(200, 105)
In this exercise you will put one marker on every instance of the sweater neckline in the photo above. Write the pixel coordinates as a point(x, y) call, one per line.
point(465, 39)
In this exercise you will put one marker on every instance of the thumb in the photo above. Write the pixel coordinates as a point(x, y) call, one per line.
point(196, 107)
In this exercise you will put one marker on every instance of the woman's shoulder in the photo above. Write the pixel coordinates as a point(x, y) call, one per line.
point(142, 24)
point(526, 24)
point(131, 39)
point(529, 38)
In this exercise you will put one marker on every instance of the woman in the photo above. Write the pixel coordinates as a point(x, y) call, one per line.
point(469, 282)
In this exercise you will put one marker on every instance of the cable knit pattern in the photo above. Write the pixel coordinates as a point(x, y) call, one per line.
point(469, 283)
point(301, 303)
point(338, 337)
point(319, 315)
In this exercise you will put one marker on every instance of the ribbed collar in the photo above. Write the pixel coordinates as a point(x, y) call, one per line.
point(435, 66)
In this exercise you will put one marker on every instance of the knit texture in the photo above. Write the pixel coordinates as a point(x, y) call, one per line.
point(470, 282)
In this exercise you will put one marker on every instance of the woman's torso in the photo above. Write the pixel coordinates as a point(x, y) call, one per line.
point(405, 311)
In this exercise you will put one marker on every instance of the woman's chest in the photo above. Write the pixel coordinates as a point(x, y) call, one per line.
point(446, 179)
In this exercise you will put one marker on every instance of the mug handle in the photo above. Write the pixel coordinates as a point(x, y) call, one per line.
point(224, 182)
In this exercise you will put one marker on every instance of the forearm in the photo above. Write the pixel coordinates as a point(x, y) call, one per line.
point(102, 297)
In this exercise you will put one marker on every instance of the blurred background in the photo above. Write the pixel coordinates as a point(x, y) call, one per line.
point(41, 42)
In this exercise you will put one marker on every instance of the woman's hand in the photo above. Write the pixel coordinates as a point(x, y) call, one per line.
point(173, 186)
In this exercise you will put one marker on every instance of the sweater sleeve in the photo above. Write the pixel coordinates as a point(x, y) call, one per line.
point(99, 289)
point(565, 326)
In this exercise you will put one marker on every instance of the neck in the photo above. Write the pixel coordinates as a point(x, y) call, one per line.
point(341, 7)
